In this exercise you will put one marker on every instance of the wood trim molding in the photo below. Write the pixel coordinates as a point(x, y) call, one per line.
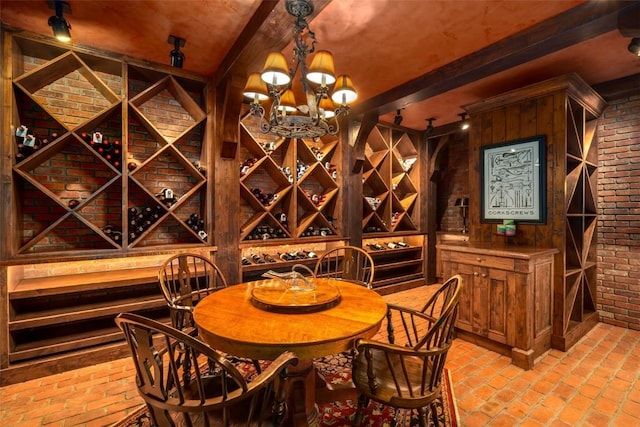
point(620, 88)
point(571, 83)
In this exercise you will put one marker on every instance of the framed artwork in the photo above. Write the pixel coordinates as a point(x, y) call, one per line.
point(513, 181)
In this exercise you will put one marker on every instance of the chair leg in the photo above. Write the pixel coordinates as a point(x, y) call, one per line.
point(279, 402)
point(256, 364)
point(423, 416)
point(434, 413)
point(363, 402)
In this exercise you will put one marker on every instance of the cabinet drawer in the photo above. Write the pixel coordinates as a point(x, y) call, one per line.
point(483, 260)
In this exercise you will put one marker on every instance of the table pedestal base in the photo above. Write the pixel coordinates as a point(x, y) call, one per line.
point(301, 398)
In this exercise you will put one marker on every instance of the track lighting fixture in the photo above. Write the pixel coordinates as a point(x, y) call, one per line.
point(429, 128)
point(398, 118)
point(464, 121)
point(58, 24)
point(176, 56)
point(634, 46)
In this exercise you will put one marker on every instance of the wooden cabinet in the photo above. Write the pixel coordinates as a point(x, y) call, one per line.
point(565, 110)
point(507, 298)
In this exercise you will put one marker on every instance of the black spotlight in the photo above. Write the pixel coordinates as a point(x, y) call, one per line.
point(58, 24)
point(176, 56)
point(464, 121)
point(634, 46)
point(398, 118)
point(430, 127)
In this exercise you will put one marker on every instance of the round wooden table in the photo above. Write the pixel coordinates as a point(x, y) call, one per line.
point(229, 321)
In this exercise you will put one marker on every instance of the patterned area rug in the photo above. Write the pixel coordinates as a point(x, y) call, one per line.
point(340, 413)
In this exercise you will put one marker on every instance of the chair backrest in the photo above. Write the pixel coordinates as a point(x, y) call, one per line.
point(408, 374)
point(185, 279)
point(347, 263)
point(213, 388)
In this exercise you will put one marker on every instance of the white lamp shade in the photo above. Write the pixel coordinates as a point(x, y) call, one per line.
point(321, 70)
point(256, 88)
point(328, 107)
point(287, 102)
point(275, 71)
point(344, 93)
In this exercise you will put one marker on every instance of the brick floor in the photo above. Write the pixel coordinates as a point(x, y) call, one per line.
point(596, 383)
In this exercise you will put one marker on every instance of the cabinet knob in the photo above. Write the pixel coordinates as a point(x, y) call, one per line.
point(479, 259)
point(484, 275)
point(475, 273)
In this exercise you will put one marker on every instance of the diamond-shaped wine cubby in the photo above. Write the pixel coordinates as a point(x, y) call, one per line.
point(35, 128)
point(68, 89)
point(263, 226)
point(377, 147)
point(169, 177)
point(323, 148)
point(265, 187)
point(317, 187)
point(167, 110)
point(103, 135)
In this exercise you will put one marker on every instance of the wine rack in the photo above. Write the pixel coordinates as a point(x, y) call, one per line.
point(581, 216)
point(108, 167)
point(96, 137)
point(389, 182)
point(399, 261)
point(289, 187)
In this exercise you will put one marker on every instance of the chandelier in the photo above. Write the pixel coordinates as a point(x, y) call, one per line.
point(327, 97)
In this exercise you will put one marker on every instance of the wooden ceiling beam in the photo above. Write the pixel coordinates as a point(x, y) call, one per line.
point(616, 89)
point(566, 29)
point(269, 29)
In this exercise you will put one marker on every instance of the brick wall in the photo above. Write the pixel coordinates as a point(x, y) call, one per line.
point(452, 182)
point(618, 283)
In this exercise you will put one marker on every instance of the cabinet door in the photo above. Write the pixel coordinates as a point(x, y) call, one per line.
point(483, 302)
point(497, 308)
point(465, 307)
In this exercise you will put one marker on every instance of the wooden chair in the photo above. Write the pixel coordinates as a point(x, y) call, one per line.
point(355, 265)
point(407, 372)
point(214, 392)
point(346, 263)
point(185, 279)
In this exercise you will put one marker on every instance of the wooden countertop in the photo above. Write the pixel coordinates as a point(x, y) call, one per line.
point(511, 251)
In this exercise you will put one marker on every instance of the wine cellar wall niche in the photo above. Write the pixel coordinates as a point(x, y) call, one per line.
point(289, 187)
point(390, 182)
point(107, 155)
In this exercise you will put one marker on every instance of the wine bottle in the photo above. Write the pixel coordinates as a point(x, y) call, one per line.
point(256, 258)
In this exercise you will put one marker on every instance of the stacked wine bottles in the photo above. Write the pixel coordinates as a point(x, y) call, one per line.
point(110, 149)
point(28, 143)
point(141, 220)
